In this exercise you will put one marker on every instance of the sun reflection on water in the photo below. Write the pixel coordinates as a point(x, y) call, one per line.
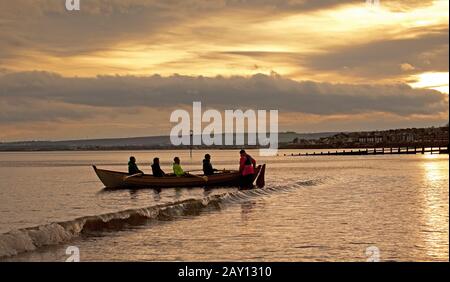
point(435, 204)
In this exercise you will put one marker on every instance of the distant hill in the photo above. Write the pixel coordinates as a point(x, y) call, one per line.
point(150, 142)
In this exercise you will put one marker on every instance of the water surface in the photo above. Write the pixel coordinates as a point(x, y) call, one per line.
point(324, 208)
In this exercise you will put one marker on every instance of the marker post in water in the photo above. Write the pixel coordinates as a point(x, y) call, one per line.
point(191, 133)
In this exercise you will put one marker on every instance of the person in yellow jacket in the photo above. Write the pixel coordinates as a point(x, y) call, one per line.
point(177, 170)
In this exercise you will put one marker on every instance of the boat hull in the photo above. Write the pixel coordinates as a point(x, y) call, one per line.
point(115, 179)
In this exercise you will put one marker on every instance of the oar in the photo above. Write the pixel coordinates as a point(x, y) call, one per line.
point(134, 175)
point(229, 170)
point(260, 180)
point(197, 170)
point(223, 170)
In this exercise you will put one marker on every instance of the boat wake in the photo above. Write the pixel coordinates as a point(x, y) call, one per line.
point(31, 239)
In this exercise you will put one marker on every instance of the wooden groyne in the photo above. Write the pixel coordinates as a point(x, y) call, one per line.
point(378, 151)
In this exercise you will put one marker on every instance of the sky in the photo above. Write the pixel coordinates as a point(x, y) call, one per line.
point(118, 68)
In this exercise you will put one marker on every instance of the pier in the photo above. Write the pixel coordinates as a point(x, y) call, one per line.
point(378, 151)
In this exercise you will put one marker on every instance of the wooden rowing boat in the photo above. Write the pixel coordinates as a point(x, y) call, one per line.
point(115, 179)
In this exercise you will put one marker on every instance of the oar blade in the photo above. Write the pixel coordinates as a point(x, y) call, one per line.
point(260, 180)
point(134, 175)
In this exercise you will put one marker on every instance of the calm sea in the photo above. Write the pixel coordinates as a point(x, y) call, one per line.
point(324, 208)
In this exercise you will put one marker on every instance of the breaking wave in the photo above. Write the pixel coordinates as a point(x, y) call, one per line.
point(30, 239)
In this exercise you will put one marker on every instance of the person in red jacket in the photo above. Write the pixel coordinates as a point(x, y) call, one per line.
point(247, 166)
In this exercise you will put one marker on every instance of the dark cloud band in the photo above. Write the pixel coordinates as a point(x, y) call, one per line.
point(256, 92)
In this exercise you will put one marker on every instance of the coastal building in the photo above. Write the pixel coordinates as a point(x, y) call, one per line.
point(409, 136)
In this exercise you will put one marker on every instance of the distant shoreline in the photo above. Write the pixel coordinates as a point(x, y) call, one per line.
point(409, 137)
point(197, 148)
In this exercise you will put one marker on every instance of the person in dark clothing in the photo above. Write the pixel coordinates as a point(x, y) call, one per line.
point(157, 171)
point(132, 166)
point(207, 166)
